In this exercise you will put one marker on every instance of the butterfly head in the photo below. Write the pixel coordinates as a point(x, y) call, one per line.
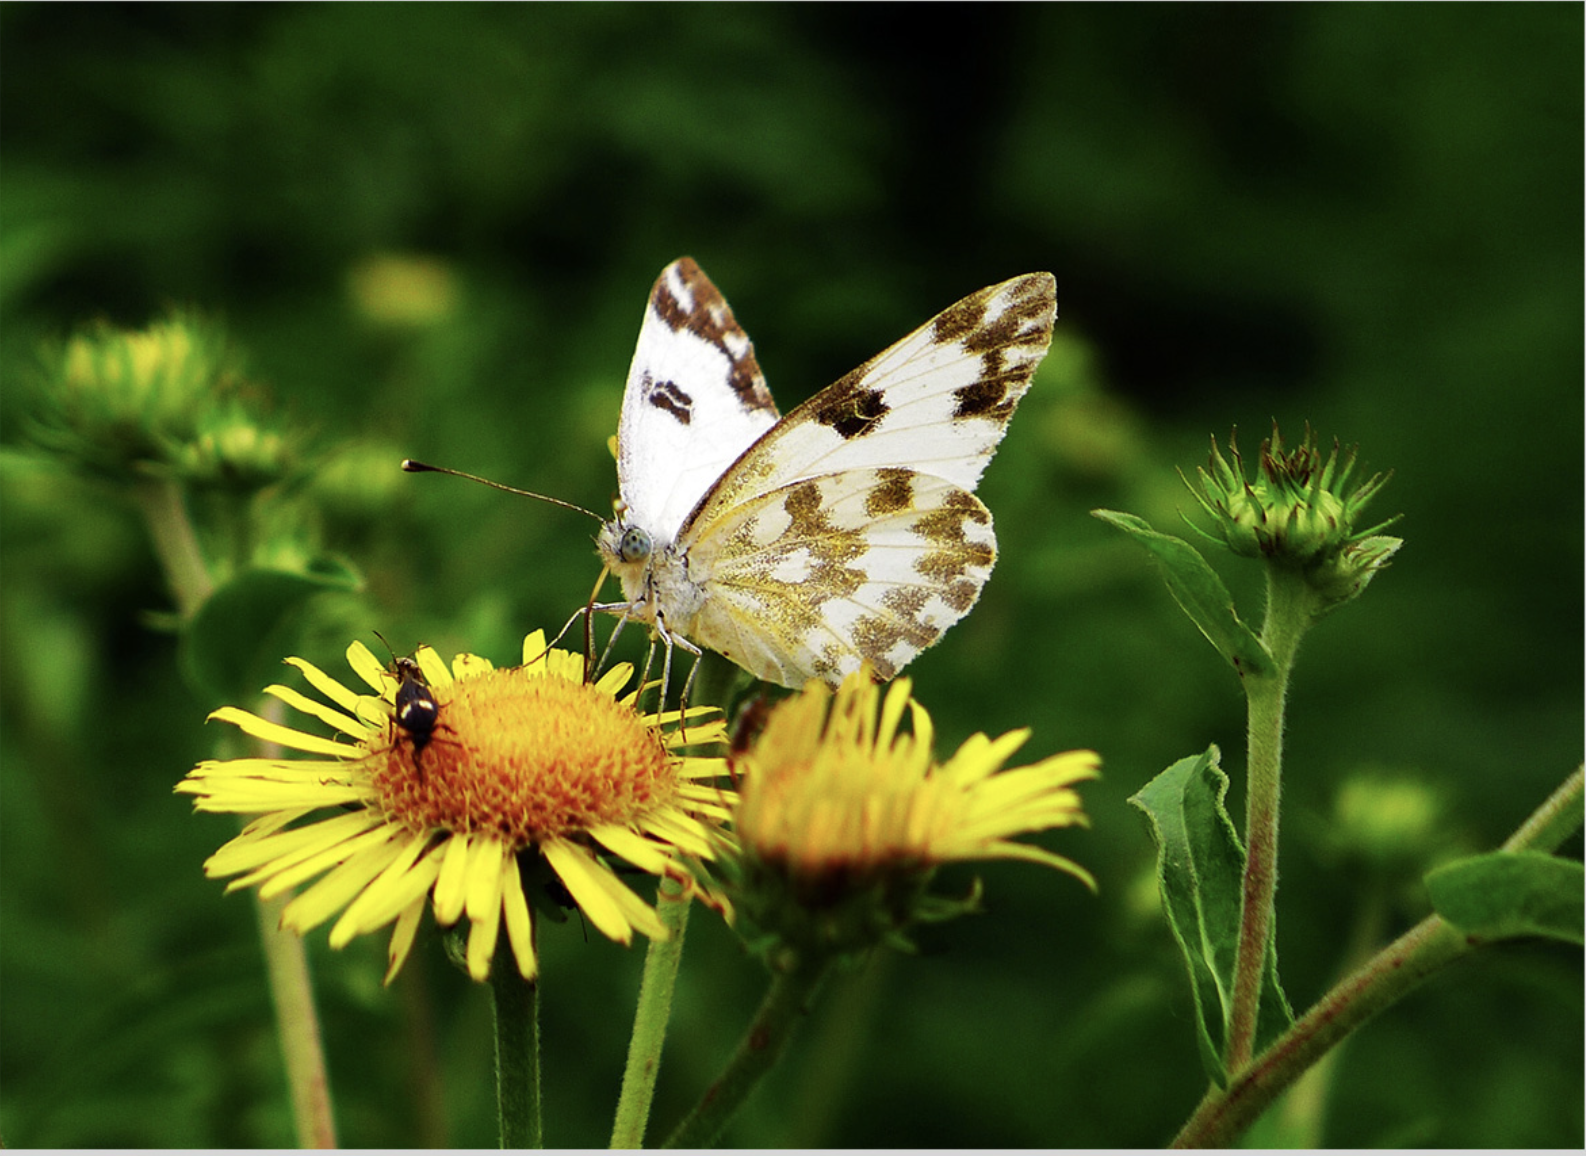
point(624, 547)
point(633, 545)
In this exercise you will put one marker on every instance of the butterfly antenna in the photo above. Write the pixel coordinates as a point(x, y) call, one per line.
point(417, 467)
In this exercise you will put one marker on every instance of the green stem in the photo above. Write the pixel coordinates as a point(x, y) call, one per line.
point(650, 1019)
point(1555, 820)
point(1302, 1109)
point(164, 510)
point(1289, 610)
point(784, 1005)
point(297, 1024)
point(292, 992)
point(1223, 1115)
point(517, 1008)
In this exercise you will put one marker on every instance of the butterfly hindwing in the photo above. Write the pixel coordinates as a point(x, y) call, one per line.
point(814, 578)
point(695, 400)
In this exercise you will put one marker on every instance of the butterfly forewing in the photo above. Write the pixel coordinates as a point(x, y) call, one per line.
point(695, 400)
point(937, 401)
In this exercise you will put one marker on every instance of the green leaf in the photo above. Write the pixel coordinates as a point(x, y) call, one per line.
point(1504, 894)
point(1200, 865)
point(1201, 594)
point(237, 636)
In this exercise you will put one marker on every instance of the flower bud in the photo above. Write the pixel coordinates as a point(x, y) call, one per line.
point(1299, 512)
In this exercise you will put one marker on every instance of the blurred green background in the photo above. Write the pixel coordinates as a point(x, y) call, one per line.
point(1364, 217)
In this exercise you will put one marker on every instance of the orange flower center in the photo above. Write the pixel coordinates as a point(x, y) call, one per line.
point(530, 755)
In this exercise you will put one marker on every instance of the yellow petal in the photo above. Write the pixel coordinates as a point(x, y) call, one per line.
point(578, 872)
point(271, 732)
point(451, 893)
point(300, 702)
point(325, 684)
point(407, 927)
point(369, 668)
point(520, 925)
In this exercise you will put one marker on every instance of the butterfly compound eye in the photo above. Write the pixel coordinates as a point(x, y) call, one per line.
point(635, 545)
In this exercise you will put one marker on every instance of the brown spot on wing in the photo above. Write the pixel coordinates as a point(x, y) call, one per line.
point(953, 562)
point(666, 395)
point(957, 321)
point(981, 398)
point(961, 595)
point(1025, 322)
point(851, 412)
point(875, 635)
point(955, 554)
point(905, 600)
point(710, 319)
point(945, 524)
point(895, 493)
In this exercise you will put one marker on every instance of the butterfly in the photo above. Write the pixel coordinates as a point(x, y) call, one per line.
point(846, 532)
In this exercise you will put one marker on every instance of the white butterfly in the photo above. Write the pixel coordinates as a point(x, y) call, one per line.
point(846, 531)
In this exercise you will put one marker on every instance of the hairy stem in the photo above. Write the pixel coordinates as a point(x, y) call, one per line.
point(784, 1005)
point(297, 1025)
point(1289, 608)
point(1428, 947)
point(164, 510)
point(517, 1008)
point(650, 1019)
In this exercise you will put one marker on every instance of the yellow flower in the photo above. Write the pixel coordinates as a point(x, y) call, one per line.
point(438, 801)
point(842, 819)
point(403, 290)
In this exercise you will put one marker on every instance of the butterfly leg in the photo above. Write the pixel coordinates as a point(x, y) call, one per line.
point(675, 641)
point(582, 611)
point(688, 686)
point(644, 675)
point(624, 610)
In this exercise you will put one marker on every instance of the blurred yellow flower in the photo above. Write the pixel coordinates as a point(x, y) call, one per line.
point(842, 819)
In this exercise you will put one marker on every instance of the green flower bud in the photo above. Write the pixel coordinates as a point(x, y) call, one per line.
point(233, 451)
point(162, 400)
point(1299, 512)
